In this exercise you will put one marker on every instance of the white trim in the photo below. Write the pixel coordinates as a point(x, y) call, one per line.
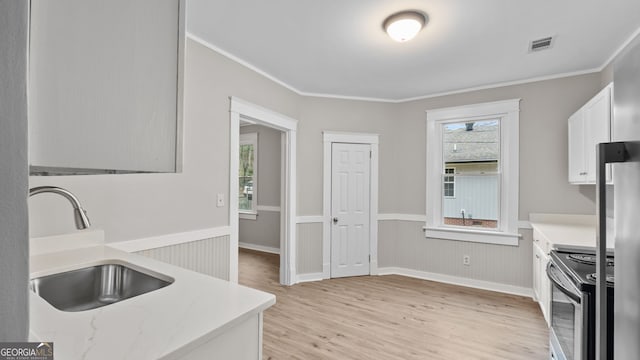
point(505, 84)
point(524, 224)
point(310, 219)
point(261, 115)
point(256, 247)
point(234, 215)
point(473, 235)
point(268, 208)
point(246, 64)
point(252, 139)
point(460, 281)
point(347, 137)
point(508, 112)
point(309, 277)
point(422, 97)
point(247, 215)
point(329, 137)
point(474, 110)
point(243, 109)
point(620, 49)
point(402, 217)
point(159, 241)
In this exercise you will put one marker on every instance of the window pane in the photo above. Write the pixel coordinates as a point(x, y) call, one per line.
point(245, 177)
point(471, 175)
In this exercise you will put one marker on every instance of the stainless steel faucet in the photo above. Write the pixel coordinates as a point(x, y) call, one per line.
point(79, 214)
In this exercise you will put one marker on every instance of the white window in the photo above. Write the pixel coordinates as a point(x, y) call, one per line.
point(472, 173)
point(449, 182)
point(248, 175)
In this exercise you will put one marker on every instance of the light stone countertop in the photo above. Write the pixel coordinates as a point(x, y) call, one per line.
point(162, 324)
point(571, 232)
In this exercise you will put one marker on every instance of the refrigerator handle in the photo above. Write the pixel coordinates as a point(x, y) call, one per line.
point(605, 153)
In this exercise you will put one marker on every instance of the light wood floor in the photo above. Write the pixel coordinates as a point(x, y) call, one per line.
point(391, 317)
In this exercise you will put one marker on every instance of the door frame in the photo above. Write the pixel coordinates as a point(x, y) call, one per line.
point(242, 109)
point(330, 137)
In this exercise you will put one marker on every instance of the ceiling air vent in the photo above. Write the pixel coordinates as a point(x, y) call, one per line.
point(541, 44)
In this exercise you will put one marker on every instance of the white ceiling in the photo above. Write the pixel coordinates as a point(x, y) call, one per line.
point(338, 48)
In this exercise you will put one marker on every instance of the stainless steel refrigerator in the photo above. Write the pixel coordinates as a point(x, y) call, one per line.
point(624, 155)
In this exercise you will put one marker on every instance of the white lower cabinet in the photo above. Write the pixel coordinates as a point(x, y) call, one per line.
point(541, 283)
point(243, 341)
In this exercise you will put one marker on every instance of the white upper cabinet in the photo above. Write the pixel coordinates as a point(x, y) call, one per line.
point(587, 127)
point(105, 86)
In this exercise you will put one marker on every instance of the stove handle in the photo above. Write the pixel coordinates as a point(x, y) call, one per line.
point(554, 279)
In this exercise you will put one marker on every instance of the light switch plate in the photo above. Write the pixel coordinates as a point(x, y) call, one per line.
point(220, 200)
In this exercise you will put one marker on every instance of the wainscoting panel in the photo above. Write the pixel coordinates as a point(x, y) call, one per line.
point(309, 254)
point(207, 256)
point(387, 240)
point(406, 247)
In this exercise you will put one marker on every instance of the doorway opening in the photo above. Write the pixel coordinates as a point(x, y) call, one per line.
point(259, 185)
point(243, 112)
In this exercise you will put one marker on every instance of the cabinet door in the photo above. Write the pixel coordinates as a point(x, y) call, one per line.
point(545, 289)
point(576, 159)
point(536, 273)
point(597, 121)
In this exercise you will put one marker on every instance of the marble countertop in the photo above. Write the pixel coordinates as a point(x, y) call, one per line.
point(574, 232)
point(162, 324)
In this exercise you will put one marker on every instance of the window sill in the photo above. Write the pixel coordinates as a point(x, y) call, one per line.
point(248, 215)
point(480, 236)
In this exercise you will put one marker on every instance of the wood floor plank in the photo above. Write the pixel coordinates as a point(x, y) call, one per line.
point(391, 317)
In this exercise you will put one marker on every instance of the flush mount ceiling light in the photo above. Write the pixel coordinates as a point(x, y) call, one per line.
point(405, 25)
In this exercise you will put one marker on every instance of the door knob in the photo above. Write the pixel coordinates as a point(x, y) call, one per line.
point(335, 220)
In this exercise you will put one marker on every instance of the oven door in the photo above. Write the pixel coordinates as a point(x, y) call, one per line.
point(566, 317)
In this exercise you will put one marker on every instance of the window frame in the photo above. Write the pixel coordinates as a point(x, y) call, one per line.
point(507, 112)
point(250, 139)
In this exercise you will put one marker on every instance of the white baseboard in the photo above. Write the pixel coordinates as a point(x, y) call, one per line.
point(455, 280)
point(300, 278)
point(267, 249)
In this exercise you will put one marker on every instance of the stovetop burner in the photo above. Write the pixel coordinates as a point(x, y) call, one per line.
point(579, 265)
point(588, 259)
point(594, 276)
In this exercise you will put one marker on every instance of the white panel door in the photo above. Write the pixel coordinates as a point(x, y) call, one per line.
point(350, 198)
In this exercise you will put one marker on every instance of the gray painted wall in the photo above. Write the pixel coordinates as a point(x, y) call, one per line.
point(14, 240)
point(136, 206)
point(402, 244)
point(544, 110)
point(265, 229)
point(128, 207)
point(545, 107)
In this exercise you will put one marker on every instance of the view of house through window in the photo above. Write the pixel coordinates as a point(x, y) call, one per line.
point(471, 173)
point(246, 172)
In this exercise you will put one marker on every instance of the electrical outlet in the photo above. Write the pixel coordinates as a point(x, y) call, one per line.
point(220, 200)
point(466, 260)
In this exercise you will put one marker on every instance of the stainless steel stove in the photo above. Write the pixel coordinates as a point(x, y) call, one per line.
point(573, 325)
